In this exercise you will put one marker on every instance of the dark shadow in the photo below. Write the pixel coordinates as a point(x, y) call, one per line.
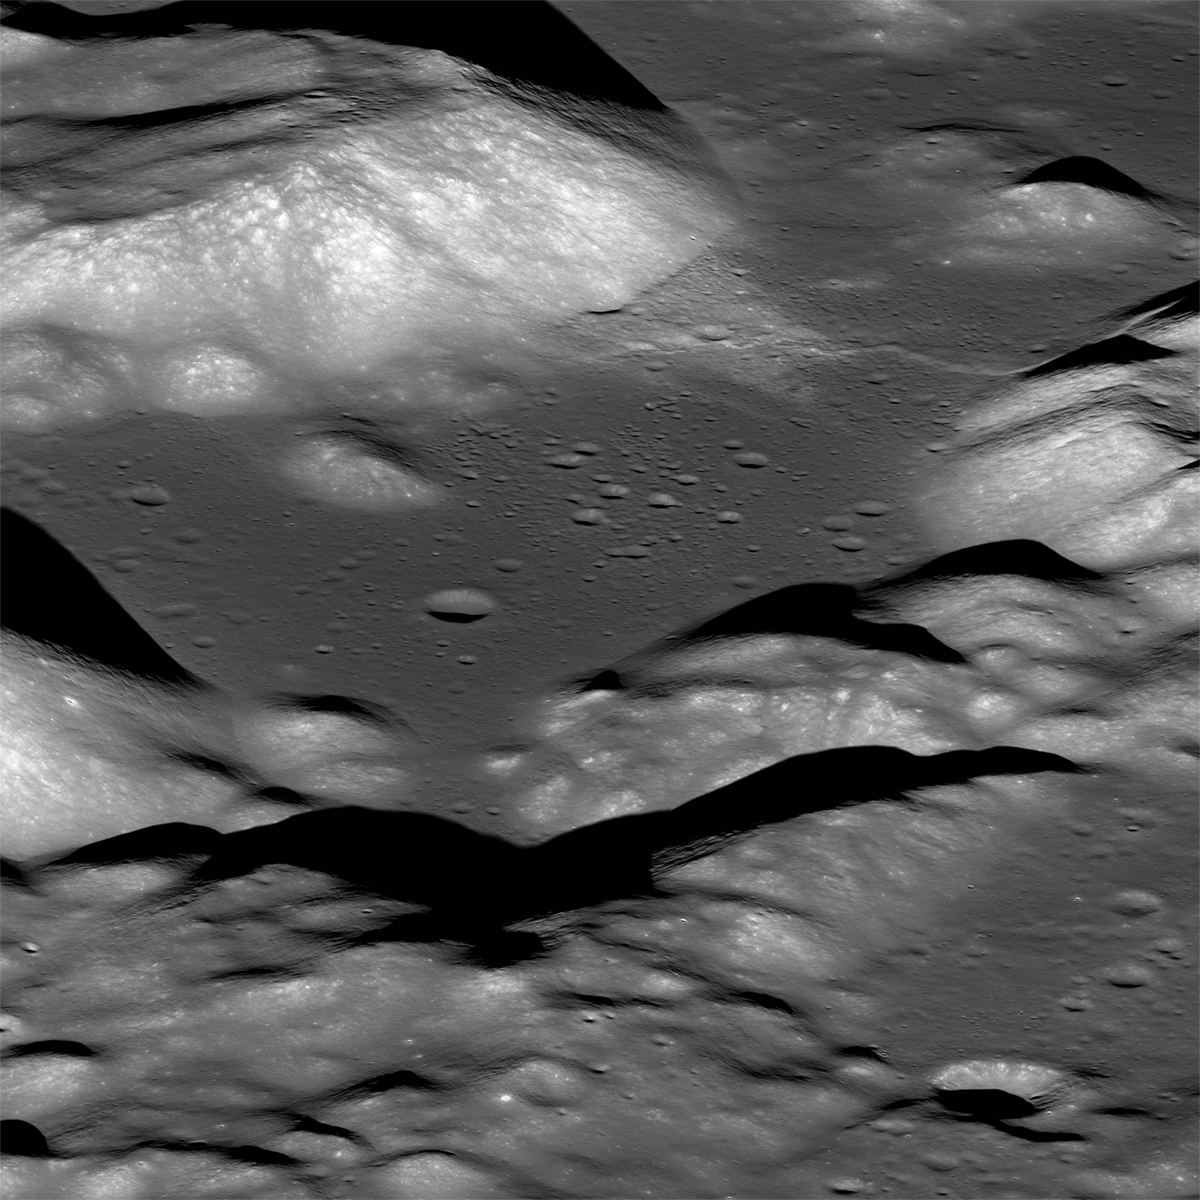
point(211, 766)
point(997, 1108)
point(340, 705)
point(1019, 556)
point(1119, 351)
point(832, 610)
point(373, 441)
point(820, 610)
point(966, 125)
point(503, 948)
point(283, 795)
point(165, 118)
point(312, 1125)
point(67, 1049)
point(466, 935)
point(605, 681)
point(457, 618)
point(389, 1082)
point(13, 874)
point(254, 1155)
point(1174, 305)
point(806, 783)
point(473, 884)
point(862, 1053)
point(1010, 142)
point(988, 1104)
point(23, 1140)
point(412, 856)
point(48, 595)
point(762, 1000)
point(1091, 172)
point(526, 40)
point(159, 842)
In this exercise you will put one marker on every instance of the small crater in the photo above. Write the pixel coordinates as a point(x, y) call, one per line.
point(999, 1090)
point(459, 605)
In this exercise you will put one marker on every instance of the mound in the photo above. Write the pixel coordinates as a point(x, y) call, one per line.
point(229, 221)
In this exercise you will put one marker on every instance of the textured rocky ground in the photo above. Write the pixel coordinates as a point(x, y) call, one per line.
point(877, 885)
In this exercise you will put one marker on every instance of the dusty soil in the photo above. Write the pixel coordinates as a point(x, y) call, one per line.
point(737, 743)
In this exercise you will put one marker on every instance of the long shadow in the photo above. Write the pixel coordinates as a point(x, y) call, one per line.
point(473, 885)
point(48, 595)
point(472, 882)
point(168, 843)
point(832, 610)
point(527, 40)
point(1021, 557)
point(1125, 349)
point(1173, 305)
point(1091, 172)
point(822, 610)
point(1119, 351)
point(827, 610)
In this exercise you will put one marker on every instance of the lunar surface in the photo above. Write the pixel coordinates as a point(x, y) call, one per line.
point(599, 600)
